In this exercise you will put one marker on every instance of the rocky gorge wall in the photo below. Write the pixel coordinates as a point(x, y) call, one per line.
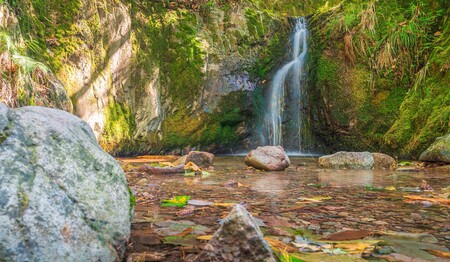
point(379, 78)
point(154, 76)
point(164, 76)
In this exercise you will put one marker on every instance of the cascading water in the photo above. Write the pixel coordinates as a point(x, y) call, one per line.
point(285, 101)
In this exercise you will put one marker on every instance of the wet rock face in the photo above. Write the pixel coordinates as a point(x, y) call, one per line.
point(61, 196)
point(238, 239)
point(383, 161)
point(201, 159)
point(349, 160)
point(270, 158)
point(439, 151)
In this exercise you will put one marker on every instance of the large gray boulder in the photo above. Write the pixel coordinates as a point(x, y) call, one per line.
point(62, 198)
point(348, 160)
point(269, 158)
point(238, 239)
point(439, 151)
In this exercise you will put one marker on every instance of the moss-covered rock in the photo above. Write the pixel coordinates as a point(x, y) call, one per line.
point(439, 151)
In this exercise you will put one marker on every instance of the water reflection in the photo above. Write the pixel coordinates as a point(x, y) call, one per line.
point(346, 178)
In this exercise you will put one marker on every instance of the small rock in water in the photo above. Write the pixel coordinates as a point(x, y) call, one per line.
point(238, 239)
point(269, 158)
point(231, 183)
point(200, 158)
point(383, 161)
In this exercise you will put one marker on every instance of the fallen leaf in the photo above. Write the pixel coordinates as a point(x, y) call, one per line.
point(278, 245)
point(390, 188)
point(185, 232)
point(349, 235)
point(146, 256)
point(206, 237)
point(440, 201)
point(313, 199)
point(355, 248)
point(164, 164)
point(224, 204)
point(191, 167)
point(176, 201)
point(439, 253)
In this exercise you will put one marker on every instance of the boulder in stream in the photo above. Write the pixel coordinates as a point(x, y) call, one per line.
point(439, 151)
point(62, 198)
point(238, 239)
point(200, 158)
point(349, 160)
point(383, 161)
point(269, 158)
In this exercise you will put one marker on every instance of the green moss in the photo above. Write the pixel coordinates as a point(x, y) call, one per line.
point(49, 28)
point(118, 128)
point(132, 201)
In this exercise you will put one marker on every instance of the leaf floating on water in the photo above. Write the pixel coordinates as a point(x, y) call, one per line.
point(313, 199)
point(185, 232)
point(224, 204)
point(349, 235)
point(439, 253)
point(439, 201)
point(355, 248)
point(176, 201)
point(206, 237)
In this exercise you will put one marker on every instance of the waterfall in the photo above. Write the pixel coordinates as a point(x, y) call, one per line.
point(285, 100)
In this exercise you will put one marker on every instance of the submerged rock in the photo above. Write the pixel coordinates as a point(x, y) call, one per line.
point(62, 198)
point(383, 161)
point(350, 160)
point(238, 239)
point(439, 151)
point(201, 159)
point(270, 158)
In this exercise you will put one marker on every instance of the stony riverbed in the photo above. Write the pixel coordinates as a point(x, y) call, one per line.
point(302, 201)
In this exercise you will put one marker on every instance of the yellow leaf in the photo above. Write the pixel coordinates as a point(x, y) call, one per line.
point(224, 204)
point(206, 237)
point(313, 199)
point(439, 253)
point(164, 164)
point(192, 167)
point(390, 188)
point(354, 247)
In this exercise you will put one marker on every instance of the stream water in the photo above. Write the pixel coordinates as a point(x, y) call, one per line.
point(347, 200)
